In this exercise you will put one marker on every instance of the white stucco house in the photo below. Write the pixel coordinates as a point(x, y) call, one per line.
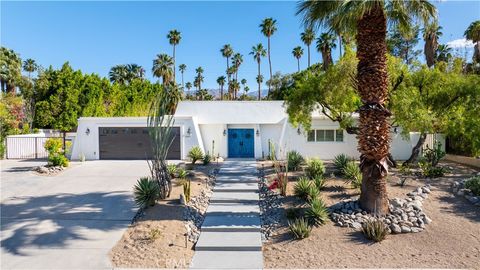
point(230, 129)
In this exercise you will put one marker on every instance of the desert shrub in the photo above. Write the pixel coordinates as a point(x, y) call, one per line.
point(319, 183)
point(430, 171)
point(341, 161)
point(353, 175)
point(145, 192)
point(295, 159)
point(195, 154)
point(315, 168)
point(312, 192)
point(172, 170)
point(433, 155)
point(374, 230)
point(302, 188)
point(474, 185)
point(207, 159)
point(187, 190)
point(154, 234)
point(317, 213)
point(293, 213)
point(300, 228)
point(55, 152)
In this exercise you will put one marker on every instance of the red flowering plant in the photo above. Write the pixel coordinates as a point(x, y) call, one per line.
point(281, 169)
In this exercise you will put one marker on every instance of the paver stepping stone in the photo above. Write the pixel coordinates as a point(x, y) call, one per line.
point(227, 260)
point(231, 208)
point(234, 241)
point(234, 197)
point(236, 187)
point(232, 222)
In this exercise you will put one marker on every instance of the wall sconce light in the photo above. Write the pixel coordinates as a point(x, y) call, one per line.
point(87, 131)
point(258, 132)
point(189, 132)
point(224, 132)
point(299, 132)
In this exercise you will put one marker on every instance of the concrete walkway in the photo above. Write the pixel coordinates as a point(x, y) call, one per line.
point(230, 236)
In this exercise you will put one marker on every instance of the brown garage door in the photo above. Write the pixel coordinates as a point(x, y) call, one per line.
point(132, 143)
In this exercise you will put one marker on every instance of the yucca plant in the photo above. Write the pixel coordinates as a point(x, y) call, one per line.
point(313, 192)
point(319, 183)
point(315, 168)
point(302, 187)
point(317, 213)
point(172, 170)
point(353, 175)
point(300, 228)
point(145, 192)
point(182, 173)
point(374, 230)
point(340, 162)
point(195, 154)
point(187, 190)
point(295, 159)
point(207, 159)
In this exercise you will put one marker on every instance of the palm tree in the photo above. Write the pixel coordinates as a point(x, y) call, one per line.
point(182, 68)
point(188, 85)
point(258, 52)
point(307, 37)
point(199, 78)
point(431, 34)
point(234, 87)
point(369, 18)
point(244, 82)
point(473, 33)
point(135, 72)
point(10, 69)
point(29, 66)
point(221, 83)
point(237, 60)
point(174, 38)
point(163, 68)
point(444, 53)
point(118, 74)
point(297, 53)
point(259, 79)
point(268, 27)
point(325, 44)
point(227, 52)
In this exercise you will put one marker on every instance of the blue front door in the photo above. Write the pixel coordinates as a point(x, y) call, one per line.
point(241, 143)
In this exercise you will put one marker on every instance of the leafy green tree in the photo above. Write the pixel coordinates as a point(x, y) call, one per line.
point(369, 19)
point(10, 69)
point(163, 68)
point(473, 33)
point(174, 38)
point(258, 52)
point(268, 27)
point(431, 35)
point(444, 53)
point(325, 44)
point(297, 53)
point(307, 38)
point(118, 74)
point(30, 66)
point(401, 42)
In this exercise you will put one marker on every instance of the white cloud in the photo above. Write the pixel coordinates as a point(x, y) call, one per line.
point(460, 43)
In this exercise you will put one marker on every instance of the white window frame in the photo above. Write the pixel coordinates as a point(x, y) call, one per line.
point(315, 130)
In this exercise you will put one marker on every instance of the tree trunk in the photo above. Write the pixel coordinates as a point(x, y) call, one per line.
point(174, 69)
point(269, 64)
point(374, 127)
point(308, 50)
point(259, 84)
point(228, 73)
point(416, 150)
point(476, 53)
point(183, 85)
point(340, 45)
point(429, 52)
point(3, 86)
point(221, 92)
point(298, 64)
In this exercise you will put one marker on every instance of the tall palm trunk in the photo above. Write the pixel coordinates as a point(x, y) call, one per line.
point(373, 137)
point(326, 58)
point(429, 50)
point(228, 73)
point(308, 52)
point(269, 63)
point(340, 45)
point(259, 83)
point(298, 64)
point(221, 92)
point(476, 52)
point(174, 69)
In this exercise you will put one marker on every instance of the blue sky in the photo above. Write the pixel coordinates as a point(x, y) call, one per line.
point(94, 36)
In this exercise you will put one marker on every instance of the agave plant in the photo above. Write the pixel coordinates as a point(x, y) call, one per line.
point(300, 228)
point(146, 192)
point(302, 188)
point(195, 154)
point(295, 159)
point(374, 230)
point(353, 175)
point(315, 168)
point(172, 170)
point(317, 213)
point(340, 162)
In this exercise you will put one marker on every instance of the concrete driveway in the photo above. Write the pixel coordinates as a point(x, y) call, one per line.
point(67, 221)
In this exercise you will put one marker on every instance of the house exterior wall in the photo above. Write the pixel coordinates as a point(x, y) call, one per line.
point(208, 120)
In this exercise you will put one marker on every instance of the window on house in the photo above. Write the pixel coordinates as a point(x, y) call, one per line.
point(339, 135)
point(325, 135)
